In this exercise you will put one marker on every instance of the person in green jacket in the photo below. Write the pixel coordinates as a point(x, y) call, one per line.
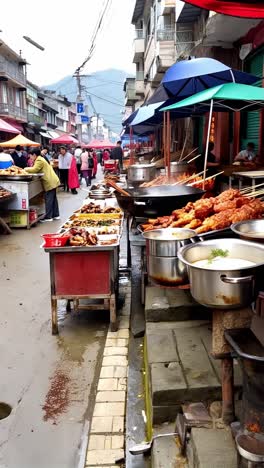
point(50, 183)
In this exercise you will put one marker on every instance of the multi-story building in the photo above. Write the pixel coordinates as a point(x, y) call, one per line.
point(50, 106)
point(12, 87)
point(36, 114)
point(72, 120)
point(61, 105)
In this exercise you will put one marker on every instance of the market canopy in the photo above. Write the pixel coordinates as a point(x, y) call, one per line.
point(64, 140)
point(244, 9)
point(97, 144)
point(6, 127)
point(19, 140)
point(188, 77)
point(227, 97)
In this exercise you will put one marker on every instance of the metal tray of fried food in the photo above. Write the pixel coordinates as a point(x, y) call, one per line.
point(22, 177)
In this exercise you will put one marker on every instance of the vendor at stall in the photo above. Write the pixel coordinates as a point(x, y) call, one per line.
point(248, 156)
point(19, 158)
point(5, 160)
point(50, 183)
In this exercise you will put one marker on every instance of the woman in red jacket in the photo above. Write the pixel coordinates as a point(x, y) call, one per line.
point(73, 178)
point(95, 164)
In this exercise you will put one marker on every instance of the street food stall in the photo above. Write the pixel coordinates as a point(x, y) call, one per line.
point(27, 206)
point(84, 259)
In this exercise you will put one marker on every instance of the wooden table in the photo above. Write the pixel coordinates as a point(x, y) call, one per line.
point(252, 177)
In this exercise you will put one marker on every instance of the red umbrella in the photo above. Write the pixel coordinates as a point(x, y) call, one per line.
point(97, 144)
point(6, 127)
point(64, 140)
point(246, 9)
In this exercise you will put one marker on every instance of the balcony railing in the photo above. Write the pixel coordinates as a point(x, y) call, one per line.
point(36, 119)
point(165, 35)
point(13, 111)
point(12, 72)
point(139, 34)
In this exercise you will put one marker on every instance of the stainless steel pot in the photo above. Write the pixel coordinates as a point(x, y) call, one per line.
point(179, 167)
point(224, 289)
point(141, 172)
point(162, 246)
point(252, 229)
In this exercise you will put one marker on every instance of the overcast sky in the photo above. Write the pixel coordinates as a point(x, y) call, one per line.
point(65, 28)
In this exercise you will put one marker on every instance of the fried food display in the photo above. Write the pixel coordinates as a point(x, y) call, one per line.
point(81, 237)
point(211, 214)
point(93, 208)
point(4, 193)
point(13, 171)
point(90, 223)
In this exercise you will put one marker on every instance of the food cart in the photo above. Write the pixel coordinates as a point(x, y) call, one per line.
point(87, 272)
point(78, 273)
point(29, 194)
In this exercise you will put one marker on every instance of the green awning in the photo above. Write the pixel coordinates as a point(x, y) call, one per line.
point(230, 96)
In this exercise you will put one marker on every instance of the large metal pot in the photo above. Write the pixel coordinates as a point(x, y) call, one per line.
point(224, 289)
point(179, 167)
point(162, 246)
point(141, 172)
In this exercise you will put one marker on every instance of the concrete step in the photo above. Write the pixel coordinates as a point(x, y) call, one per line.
point(180, 368)
point(211, 448)
point(163, 305)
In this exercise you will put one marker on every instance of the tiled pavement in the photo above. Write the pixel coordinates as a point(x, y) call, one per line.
point(107, 434)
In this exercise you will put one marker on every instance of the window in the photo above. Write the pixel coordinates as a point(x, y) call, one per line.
point(4, 93)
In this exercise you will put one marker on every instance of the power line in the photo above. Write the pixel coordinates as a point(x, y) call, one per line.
point(94, 36)
point(106, 100)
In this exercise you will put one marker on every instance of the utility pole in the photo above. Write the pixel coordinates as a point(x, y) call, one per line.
point(79, 99)
point(97, 125)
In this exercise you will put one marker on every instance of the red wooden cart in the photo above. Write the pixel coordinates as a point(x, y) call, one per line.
point(78, 273)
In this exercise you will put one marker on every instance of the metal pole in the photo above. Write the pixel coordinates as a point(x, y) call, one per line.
point(185, 140)
point(79, 99)
point(207, 141)
point(227, 390)
point(97, 125)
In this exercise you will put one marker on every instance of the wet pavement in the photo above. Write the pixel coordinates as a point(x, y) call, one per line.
point(43, 430)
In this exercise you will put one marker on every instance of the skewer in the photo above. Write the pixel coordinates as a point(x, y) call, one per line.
point(183, 181)
point(255, 193)
point(208, 178)
point(195, 157)
point(189, 154)
point(249, 189)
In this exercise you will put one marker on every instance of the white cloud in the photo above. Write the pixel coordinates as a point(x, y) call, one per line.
point(65, 28)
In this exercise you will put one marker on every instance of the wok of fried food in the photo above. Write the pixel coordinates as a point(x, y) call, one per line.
point(211, 214)
point(13, 171)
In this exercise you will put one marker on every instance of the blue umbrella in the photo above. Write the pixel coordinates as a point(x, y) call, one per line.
point(189, 77)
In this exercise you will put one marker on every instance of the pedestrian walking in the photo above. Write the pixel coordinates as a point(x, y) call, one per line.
point(50, 183)
point(85, 167)
point(73, 176)
point(95, 164)
point(90, 167)
point(65, 159)
point(117, 154)
point(77, 154)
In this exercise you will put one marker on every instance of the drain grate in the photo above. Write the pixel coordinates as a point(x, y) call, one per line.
point(5, 410)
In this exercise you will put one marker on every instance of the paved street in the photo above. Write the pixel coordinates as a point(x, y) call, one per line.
point(34, 364)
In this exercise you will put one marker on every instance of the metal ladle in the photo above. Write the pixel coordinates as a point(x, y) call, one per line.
point(145, 447)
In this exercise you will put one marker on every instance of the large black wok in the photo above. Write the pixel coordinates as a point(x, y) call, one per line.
point(157, 201)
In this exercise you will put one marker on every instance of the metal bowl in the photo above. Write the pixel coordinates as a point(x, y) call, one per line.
point(250, 230)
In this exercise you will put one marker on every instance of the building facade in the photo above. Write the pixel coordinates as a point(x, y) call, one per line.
point(13, 107)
